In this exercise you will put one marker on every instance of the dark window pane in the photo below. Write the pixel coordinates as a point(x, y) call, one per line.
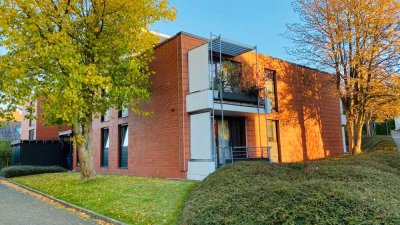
point(123, 148)
point(31, 135)
point(104, 147)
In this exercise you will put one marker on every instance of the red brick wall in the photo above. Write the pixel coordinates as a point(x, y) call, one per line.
point(158, 145)
point(42, 132)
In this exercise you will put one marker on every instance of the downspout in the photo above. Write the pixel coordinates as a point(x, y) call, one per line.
point(183, 110)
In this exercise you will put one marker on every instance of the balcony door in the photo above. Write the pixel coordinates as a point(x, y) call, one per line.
point(230, 139)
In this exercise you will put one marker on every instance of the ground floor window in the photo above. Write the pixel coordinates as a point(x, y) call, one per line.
point(31, 135)
point(105, 140)
point(123, 146)
point(272, 139)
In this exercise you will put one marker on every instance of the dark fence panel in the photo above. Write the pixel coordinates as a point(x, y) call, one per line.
point(41, 153)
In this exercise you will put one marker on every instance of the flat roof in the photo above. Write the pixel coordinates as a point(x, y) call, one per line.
point(228, 47)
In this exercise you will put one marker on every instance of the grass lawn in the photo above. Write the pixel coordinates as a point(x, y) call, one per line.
point(133, 200)
point(361, 189)
point(378, 143)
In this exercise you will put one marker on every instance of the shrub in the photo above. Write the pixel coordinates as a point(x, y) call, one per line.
point(17, 171)
point(5, 153)
point(378, 143)
point(351, 190)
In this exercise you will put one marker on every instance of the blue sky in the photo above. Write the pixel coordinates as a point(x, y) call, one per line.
point(252, 22)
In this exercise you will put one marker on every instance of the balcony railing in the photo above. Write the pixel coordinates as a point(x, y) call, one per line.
point(239, 153)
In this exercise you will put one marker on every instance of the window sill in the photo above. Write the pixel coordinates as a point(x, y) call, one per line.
point(123, 168)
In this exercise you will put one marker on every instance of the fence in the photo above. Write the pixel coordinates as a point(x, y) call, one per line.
point(41, 153)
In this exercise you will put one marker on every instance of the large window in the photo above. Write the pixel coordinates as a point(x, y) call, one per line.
point(32, 135)
point(270, 84)
point(105, 145)
point(123, 146)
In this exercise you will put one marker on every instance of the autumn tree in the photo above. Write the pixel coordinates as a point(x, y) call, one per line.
point(81, 57)
point(385, 104)
point(358, 41)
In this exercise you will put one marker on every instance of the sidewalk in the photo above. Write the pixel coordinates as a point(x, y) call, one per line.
point(18, 208)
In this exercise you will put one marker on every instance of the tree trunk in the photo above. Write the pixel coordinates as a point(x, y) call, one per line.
point(83, 144)
point(350, 133)
point(358, 135)
point(368, 126)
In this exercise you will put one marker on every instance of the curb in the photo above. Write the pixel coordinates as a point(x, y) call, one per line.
point(101, 219)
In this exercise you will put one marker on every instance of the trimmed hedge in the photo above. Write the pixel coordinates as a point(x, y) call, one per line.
point(351, 190)
point(378, 143)
point(17, 171)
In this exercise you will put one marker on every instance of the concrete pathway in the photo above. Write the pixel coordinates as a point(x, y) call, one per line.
point(18, 208)
point(396, 138)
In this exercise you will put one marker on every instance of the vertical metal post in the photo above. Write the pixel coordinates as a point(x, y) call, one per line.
point(211, 60)
point(221, 96)
point(258, 103)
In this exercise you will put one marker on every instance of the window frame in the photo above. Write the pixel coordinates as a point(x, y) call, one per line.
point(120, 146)
point(31, 135)
point(274, 81)
point(102, 152)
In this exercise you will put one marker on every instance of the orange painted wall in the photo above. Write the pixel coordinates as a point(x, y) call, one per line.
point(308, 115)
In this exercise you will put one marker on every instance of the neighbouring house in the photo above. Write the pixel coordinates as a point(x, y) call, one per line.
point(397, 123)
point(11, 131)
point(215, 102)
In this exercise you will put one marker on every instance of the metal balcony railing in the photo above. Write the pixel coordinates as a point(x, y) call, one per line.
point(240, 153)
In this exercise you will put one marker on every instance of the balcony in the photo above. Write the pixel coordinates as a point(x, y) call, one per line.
point(217, 81)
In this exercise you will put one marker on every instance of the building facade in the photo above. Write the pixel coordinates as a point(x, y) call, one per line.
point(216, 102)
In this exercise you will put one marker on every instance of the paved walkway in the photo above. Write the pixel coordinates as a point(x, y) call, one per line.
point(396, 138)
point(18, 208)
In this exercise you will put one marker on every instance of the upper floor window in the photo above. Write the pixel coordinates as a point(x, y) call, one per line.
point(32, 111)
point(124, 112)
point(270, 85)
point(106, 116)
point(228, 72)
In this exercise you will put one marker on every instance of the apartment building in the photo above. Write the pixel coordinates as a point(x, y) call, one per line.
point(216, 102)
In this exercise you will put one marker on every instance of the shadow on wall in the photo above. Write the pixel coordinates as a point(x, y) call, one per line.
point(308, 108)
point(309, 101)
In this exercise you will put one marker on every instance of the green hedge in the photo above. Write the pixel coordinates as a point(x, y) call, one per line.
point(17, 171)
point(351, 190)
point(5, 153)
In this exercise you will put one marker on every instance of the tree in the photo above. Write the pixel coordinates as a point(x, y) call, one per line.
point(386, 106)
point(80, 57)
point(358, 41)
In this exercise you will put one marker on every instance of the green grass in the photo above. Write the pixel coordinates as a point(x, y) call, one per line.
point(361, 189)
point(133, 200)
point(378, 143)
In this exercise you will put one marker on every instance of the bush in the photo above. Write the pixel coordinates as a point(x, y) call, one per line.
point(378, 143)
point(17, 171)
point(351, 190)
point(5, 153)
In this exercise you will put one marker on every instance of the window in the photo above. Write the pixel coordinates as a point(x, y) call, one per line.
point(273, 141)
point(229, 72)
point(32, 111)
point(270, 85)
point(123, 113)
point(123, 146)
point(32, 135)
point(105, 144)
point(106, 116)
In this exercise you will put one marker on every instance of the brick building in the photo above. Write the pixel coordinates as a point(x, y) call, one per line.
point(273, 110)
